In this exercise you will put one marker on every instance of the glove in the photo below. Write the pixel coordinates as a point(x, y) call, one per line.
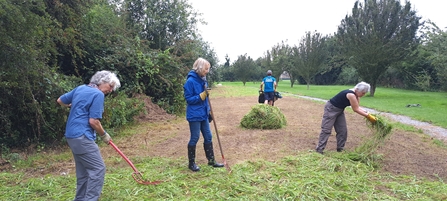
point(371, 118)
point(106, 138)
point(210, 118)
point(204, 94)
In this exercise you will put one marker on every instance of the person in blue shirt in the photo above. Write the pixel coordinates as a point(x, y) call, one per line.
point(86, 103)
point(197, 113)
point(269, 89)
point(334, 115)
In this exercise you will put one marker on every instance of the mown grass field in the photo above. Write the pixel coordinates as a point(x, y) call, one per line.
point(303, 176)
point(432, 110)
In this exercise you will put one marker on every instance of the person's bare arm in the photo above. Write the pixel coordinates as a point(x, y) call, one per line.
point(355, 104)
point(97, 126)
point(62, 103)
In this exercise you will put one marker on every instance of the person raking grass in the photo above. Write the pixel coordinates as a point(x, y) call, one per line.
point(334, 116)
point(86, 104)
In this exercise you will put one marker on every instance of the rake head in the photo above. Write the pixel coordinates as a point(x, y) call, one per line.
point(138, 177)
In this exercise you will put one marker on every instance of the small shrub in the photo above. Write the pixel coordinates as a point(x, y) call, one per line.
point(263, 116)
point(120, 110)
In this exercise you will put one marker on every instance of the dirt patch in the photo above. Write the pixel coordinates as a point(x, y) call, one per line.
point(405, 152)
point(152, 112)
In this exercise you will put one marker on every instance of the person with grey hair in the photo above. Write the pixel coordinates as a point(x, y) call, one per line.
point(198, 112)
point(86, 103)
point(334, 116)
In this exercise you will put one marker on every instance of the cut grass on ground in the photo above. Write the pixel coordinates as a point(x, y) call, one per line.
point(302, 176)
point(308, 176)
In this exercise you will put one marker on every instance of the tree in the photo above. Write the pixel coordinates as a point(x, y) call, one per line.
point(282, 60)
point(28, 87)
point(164, 23)
point(334, 62)
point(376, 35)
point(104, 37)
point(311, 56)
point(244, 68)
point(67, 35)
point(435, 44)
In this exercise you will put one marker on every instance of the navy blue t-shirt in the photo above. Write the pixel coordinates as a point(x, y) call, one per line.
point(340, 100)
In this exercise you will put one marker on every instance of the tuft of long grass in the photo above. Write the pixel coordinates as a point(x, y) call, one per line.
point(263, 116)
point(366, 152)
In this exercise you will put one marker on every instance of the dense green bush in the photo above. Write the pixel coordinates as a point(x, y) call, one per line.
point(120, 110)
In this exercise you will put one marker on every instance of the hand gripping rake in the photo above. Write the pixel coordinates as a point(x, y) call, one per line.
point(218, 139)
point(137, 176)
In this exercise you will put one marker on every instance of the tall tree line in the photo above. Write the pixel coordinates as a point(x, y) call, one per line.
point(382, 42)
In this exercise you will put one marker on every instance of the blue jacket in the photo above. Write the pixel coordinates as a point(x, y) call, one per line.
point(196, 108)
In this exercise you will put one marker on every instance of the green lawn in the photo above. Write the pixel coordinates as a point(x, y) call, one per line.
point(433, 104)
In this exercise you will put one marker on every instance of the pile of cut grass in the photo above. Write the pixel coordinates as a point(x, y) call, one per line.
point(366, 152)
point(263, 116)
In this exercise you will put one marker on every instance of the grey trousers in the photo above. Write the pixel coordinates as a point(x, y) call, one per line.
point(90, 168)
point(333, 117)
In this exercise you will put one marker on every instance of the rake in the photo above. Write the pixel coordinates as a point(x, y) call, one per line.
point(137, 176)
point(218, 139)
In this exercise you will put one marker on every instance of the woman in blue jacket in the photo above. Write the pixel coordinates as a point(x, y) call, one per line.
point(197, 112)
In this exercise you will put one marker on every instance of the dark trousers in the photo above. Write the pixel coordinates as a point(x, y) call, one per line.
point(333, 117)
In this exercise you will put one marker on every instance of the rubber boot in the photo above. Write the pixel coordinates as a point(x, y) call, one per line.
point(192, 157)
point(209, 152)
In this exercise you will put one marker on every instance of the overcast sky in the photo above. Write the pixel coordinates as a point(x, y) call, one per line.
point(237, 27)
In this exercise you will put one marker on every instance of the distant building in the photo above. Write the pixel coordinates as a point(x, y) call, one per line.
point(284, 76)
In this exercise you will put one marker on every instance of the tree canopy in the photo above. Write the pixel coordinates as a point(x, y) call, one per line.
point(49, 47)
point(310, 56)
point(377, 34)
point(244, 68)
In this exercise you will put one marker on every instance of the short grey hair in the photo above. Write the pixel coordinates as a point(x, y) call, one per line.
point(362, 87)
point(106, 77)
point(199, 65)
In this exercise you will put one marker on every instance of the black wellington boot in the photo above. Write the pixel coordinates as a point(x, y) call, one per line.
point(209, 152)
point(192, 157)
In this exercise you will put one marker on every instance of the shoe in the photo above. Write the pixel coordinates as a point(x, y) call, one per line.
point(319, 151)
point(339, 149)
